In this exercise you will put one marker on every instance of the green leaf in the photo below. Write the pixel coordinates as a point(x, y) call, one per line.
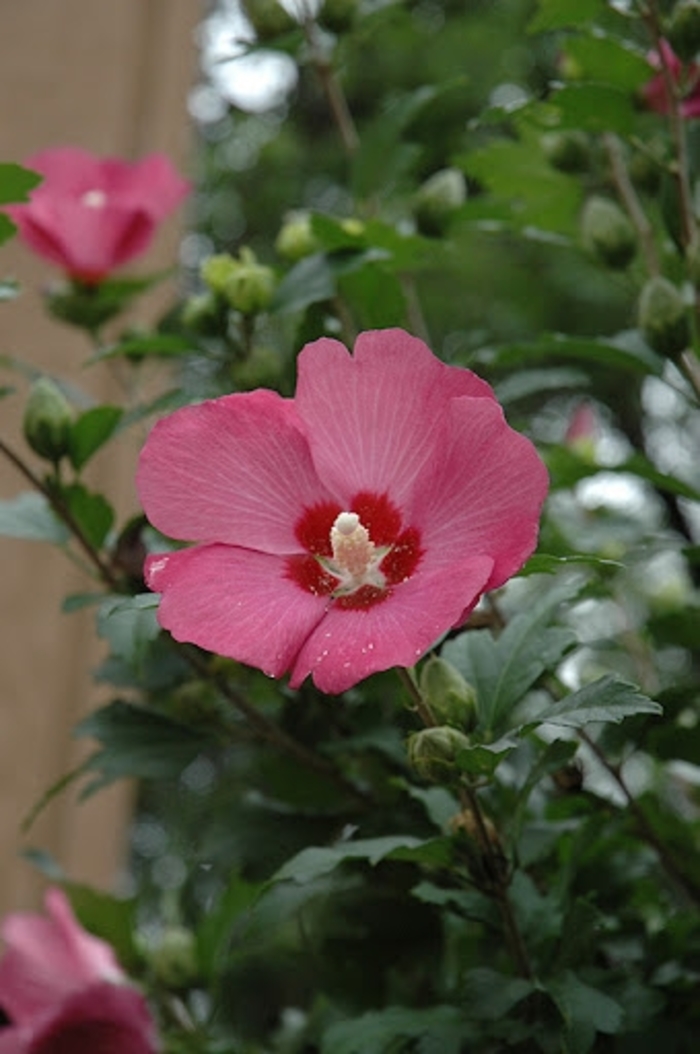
point(567, 467)
point(560, 14)
point(92, 512)
point(595, 108)
point(482, 760)
point(375, 295)
point(90, 431)
point(145, 345)
point(129, 624)
point(310, 281)
point(502, 670)
point(518, 172)
point(525, 383)
point(609, 61)
point(585, 1011)
point(491, 995)
point(444, 1028)
point(7, 229)
point(139, 742)
point(544, 563)
point(16, 182)
point(30, 516)
point(607, 699)
point(624, 352)
point(554, 756)
point(314, 862)
point(110, 918)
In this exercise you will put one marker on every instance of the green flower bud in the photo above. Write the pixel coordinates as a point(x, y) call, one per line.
point(683, 30)
point(566, 151)
point(216, 271)
point(48, 418)
point(251, 285)
point(433, 751)
point(451, 699)
point(437, 199)
point(173, 959)
point(338, 16)
point(296, 238)
point(269, 18)
point(608, 233)
point(260, 370)
point(663, 317)
point(202, 313)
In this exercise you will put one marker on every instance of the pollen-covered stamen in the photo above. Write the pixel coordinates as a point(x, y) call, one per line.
point(353, 551)
point(94, 199)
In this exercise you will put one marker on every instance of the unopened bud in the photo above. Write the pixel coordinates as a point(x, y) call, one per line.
point(450, 698)
point(566, 151)
point(201, 312)
point(607, 232)
point(173, 959)
point(433, 752)
point(48, 419)
point(216, 271)
point(663, 317)
point(437, 199)
point(683, 30)
point(296, 238)
point(250, 287)
point(269, 18)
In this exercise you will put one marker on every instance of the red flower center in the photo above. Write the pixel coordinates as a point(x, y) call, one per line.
point(355, 556)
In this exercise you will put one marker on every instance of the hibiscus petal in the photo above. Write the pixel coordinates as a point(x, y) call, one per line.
point(106, 1018)
point(236, 470)
point(487, 495)
point(154, 184)
point(234, 602)
point(88, 243)
point(349, 645)
point(66, 170)
point(375, 419)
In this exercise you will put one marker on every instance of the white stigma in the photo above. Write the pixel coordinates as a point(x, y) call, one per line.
point(94, 199)
point(353, 551)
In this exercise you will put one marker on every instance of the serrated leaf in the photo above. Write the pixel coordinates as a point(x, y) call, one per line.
point(16, 183)
point(585, 1011)
point(624, 352)
point(31, 517)
point(526, 383)
point(146, 345)
point(92, 512)
point(482, 760)
point(502, 670)
point(612, 62)
point(607, 699)
point(110, 918)
point(315, 862)
point(138, 742)
point(377, 1031)
point(560, 14)
point(310, 281)
point(491, 995)
point(129, 624)
point(595, 108)
point(90, 431)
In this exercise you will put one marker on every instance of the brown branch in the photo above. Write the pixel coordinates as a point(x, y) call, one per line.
point(103, 569)
point(630, 200)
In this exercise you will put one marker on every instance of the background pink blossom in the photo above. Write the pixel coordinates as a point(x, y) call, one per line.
point(64, 990)
point(92, 215)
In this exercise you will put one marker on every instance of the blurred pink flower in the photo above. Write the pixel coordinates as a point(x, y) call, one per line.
point(687, 76)
point(344, 531)
point(64, 991)
point(91, 215)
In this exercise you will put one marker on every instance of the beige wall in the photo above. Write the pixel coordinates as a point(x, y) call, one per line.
point(114, 78)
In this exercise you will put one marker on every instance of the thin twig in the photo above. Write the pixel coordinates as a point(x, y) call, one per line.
point(667, 860)
point(103, 569)
point(268, 730)
point(630, 200)
point(335, 97)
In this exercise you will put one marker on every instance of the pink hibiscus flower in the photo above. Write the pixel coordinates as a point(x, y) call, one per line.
point(344, 531)
point(686, 75)
point(64, 991)
point(92, 215)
